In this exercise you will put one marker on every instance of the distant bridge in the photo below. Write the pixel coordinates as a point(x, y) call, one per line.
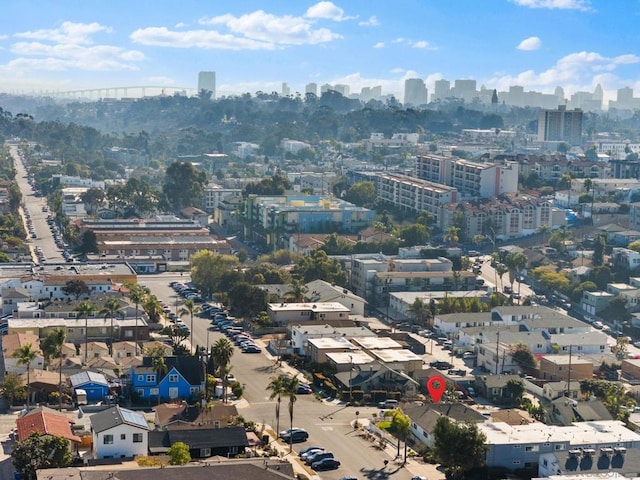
point(115, 93)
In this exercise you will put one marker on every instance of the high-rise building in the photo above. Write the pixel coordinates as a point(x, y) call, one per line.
point(311, 88)
point(415, 92)
point(465, 89)
point(442, 89)
point(207, 82)
point(560, 125)
point(286, 91)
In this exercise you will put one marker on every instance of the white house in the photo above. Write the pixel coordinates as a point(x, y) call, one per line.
point(119, 433)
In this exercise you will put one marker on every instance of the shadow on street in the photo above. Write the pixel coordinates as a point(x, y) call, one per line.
point(379, 474)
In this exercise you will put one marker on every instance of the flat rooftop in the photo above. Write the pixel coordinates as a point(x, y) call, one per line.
point(391, 356)
point(331, 342)
point(376, 343)
point(316, 307)
point(354, 358)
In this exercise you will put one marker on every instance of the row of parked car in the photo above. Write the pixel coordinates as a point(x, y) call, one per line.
point(318, 458)
point(187, 292)
point(235, 331)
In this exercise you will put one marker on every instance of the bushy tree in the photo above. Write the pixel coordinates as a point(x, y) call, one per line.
point(318, 266)
point(184, 185)
point(361, 193)
point(458, 447)
point(38, 452)
point(207, 268)
point(179, 454)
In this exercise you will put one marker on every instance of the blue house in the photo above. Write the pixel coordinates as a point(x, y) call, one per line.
point(94, 384)
point(183, 379)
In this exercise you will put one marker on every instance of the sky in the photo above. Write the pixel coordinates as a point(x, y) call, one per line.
point(62, 45)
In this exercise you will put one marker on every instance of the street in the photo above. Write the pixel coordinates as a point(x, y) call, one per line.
point(329, 424)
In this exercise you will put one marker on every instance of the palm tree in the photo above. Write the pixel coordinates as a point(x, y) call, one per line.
point(290, 389)
point(500, 270)
point(276, 387)
point(452, 235)
point(189, 308)
point(543, 229)
point(111, 309)
point(515, 262)
point(25, 355)
point(158, 363)
point(85, 309)
point(297, 291)
point(221, 352)
point(55, 339)
point(137, 294)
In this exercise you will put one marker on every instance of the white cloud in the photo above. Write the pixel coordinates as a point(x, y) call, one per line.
point(531, 43)
point(68, 32)
point(576, 71)
point(68, 47)
point(261, 29)
point(327, 10)
point(372, 22)
point(4, 37)
point(421, 44)
point(583, 5)
point(180, 25)
point(379, 45)
point(206, 39)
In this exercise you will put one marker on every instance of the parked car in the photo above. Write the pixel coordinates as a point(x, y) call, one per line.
point(294, 435)
point(308, 449)
point(326, 464)
point(304, 389)
point(310, 452)
point(251, 349)
point(316, 457)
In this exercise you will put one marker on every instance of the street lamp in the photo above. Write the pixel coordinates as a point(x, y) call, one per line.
point(350, 378)
point(387, 288)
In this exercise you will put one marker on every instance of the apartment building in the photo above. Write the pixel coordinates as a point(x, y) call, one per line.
point(414, 194)
point(273, 220)
point(215, 194)
point(471, 179)
point(560, 125)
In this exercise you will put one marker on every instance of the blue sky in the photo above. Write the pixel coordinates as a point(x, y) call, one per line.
point(257, 45)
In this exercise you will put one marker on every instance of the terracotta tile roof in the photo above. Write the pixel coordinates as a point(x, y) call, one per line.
point(46, 421)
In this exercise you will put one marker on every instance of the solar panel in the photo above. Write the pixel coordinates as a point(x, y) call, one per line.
point(133, 418)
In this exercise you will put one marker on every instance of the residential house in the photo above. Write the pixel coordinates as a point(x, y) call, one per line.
point(122, 350)
point(173, 416)
point(203, 442)
point(565, 367)
point(321, 291)
point(607, 461)
point(119, 433)
point(43, 383)
point(94, 350)
point(495, 387)
point(94, 385)
point(301, 333)
point(553, 390)
point(318, 348)
point(183, 379)
point(284, 313)
point(11, 343)
point(424, 418)
point(595, 302)
point(46, 421)
point(565, 411)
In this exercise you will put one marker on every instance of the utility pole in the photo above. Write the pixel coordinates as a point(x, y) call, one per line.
point(568, 393)
point(497, 351)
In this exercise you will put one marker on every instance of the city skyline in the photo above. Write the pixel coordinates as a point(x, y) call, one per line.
point(536, 44)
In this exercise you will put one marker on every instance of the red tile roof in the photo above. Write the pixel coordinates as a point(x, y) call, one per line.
point(48, 422)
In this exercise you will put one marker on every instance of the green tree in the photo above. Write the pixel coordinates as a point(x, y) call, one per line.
point(452, 235)
point(51, 346)
point(207, 268)
point(152, 308)
point(500, 270)
point(588, 286)
point(39, 452)
point(621, 347)
point(88, 242)
point(599, 246)
point(25, 354)
point(401, 428)
point(12, 387)
point(75, 288)
point(470, 447)
point(297, 291)
point(184, 185)
point(179, 454)
point(420, 309)
point(523, 356)
point(111, 309)
point(515, 390)
point(247, 300)
point(189, 308)
point(319, 266)
point(86, 309)
point(276, 391)
point(515, 262)
point(221, 352)
point(543, 230)
point(361, 193)
point(290, 390)
point(94, 197)
point(137, 294)
point(414, 234)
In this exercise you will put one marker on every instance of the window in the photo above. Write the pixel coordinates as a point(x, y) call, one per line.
point(516, 462)
point(205, 452)
point(107, 440)
point(173, 378)
point(137, 438)
point(141, 378)
point(123, 436)
point(151, 378)
point(140, 392)
point(128, 333)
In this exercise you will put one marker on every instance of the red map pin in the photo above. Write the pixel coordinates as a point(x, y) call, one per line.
point(436, 386)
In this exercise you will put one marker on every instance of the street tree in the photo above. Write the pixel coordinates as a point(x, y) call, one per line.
point(247, 300)
point(515, 262)
point(414, 234)
point(152, 308)
point(207, 268)
point(86, 309)
point(470, 446)
point(221, 352)
point(137, 294)
point(111, 309)
point(276, 388)
point(189, 308)
point(290, 390)
point(40, 452)
point(12, 388)
point(25, 354)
